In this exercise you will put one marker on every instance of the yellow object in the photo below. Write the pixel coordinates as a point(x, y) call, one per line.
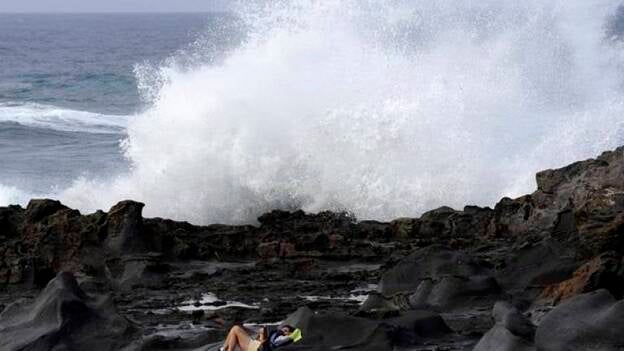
point(296, 335)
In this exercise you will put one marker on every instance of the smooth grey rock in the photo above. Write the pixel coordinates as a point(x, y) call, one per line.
point(591, 321)
point(63, 317)
point(512, 331)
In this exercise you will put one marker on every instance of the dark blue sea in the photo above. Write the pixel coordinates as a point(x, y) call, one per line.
point(68, 86)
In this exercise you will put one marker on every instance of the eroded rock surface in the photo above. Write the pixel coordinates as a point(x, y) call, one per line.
point(412, 283)
point(63, 317)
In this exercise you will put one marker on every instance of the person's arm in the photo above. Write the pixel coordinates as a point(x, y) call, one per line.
point(281, 340)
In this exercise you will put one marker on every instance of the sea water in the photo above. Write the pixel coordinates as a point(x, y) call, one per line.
point(68, 88)
point(379, 108)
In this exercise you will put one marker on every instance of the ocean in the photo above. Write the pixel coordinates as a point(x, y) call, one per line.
point(382, 108)
point(68, 86)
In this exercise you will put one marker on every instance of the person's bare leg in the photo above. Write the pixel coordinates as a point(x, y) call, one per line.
point(230, 340)
point(237, 337)
point(227, 340)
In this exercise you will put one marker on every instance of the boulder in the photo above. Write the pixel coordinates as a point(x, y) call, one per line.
point(435, 276)
point(591, 321)
point(512, 331)
point(63, 317)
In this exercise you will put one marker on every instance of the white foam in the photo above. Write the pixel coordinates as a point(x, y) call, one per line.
point(206, 304)
point(358, 295)
point(382, 108)
point(10, 195)
point(359, 298)
point(52, 117)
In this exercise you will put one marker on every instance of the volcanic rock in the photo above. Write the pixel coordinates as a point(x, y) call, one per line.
point(418, 278)
point(124, 228)
point(591, 321)
point(63, 317)
point(435, 276)
point(605, 271)
point(512, 331)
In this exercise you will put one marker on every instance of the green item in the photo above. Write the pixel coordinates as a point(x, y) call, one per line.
point(296, 335)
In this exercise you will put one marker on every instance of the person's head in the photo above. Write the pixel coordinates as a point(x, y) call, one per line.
point(286, 329)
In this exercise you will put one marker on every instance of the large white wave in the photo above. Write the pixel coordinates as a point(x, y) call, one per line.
point(62, 119)
point(381, 108)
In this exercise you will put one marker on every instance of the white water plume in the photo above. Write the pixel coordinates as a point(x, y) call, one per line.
point(381, 108)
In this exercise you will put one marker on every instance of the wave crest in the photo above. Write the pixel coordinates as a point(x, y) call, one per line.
point(62, 119)
point(381, 108)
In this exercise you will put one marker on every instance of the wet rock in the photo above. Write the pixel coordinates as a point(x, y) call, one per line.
point(63, 317)
point(512, 331)
point(590, 321)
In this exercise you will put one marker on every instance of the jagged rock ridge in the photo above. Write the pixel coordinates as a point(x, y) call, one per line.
point(431, 280)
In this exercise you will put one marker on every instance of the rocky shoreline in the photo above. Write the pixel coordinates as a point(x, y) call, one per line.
point(544, 271)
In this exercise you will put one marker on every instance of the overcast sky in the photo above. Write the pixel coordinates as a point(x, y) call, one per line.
point(113, 5)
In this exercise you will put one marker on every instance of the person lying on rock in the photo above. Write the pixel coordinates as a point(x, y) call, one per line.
point(239, 337)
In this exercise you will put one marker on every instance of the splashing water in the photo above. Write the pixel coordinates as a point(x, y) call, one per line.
point(381, 108)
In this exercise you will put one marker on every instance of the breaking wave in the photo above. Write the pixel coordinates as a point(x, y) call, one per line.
point(62, 119)
point(381, 108)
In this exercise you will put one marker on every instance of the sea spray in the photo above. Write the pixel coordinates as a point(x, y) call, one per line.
point(13, 195)
point(380, 108)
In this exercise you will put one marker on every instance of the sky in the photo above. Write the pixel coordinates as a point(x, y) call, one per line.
point(82, 6)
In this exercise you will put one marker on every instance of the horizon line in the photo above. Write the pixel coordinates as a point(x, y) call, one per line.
point(113, 12)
